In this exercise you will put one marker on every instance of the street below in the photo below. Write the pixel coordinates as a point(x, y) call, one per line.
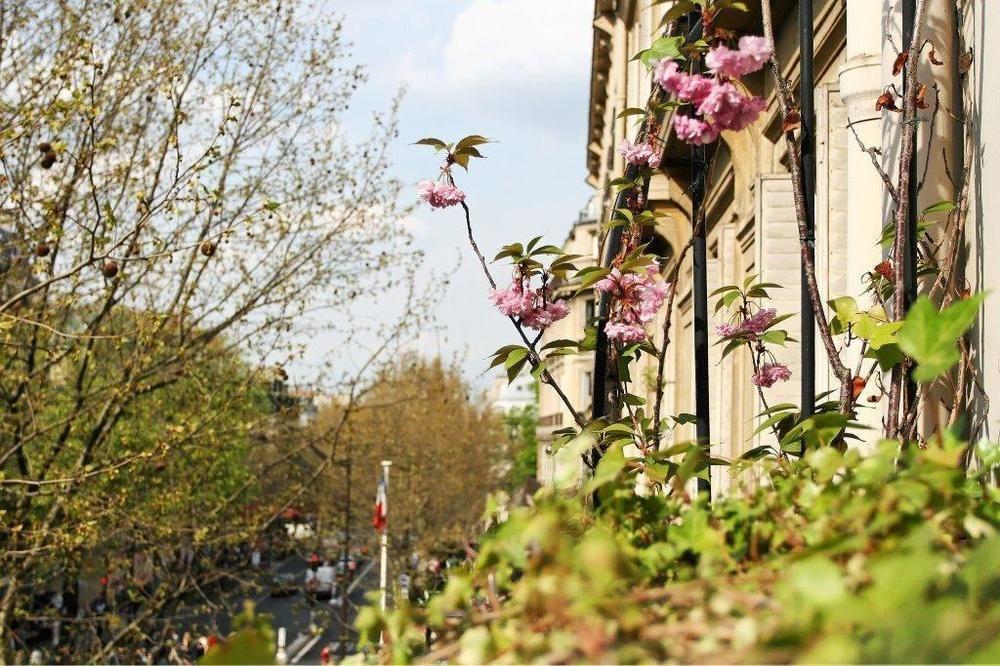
point(310, 625)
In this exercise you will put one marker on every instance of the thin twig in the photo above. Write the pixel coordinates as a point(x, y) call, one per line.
point(534, 357)
point(907, 145)
point(873, 153)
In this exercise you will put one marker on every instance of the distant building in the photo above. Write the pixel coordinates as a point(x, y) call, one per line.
point(573, 373)
point(506, 397)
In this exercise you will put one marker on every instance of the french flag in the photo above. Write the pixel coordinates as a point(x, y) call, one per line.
point(381, 505)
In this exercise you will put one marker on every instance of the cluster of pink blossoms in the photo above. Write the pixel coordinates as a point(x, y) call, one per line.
point(637, 299)
point(770, 373)
point(641, 153)
point(751, 327)
point(718, 104)
point(752, 54)
point(533, 307)
point(440, 195)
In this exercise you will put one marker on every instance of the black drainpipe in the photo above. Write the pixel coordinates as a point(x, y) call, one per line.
point(808, 153)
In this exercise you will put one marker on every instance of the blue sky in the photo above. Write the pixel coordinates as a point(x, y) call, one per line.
point(516, 71)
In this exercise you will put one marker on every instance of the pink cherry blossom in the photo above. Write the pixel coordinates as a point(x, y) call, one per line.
point(752, 55)
point(667, 74)
point(535, 308)
point(756, 50)
point(636, 300)
point(771, 373)
point(694, 130)
point(729, 108)
point(743, 114)
point(640, 153)
point(440, 195)
point(543, 315)
point(759, 322)
point(752, 327)
point(513, 300)
point(691, 88)
point(625, 332)
point(718, 104)
point(725, 330)
point(694, 88)
point(725, 61)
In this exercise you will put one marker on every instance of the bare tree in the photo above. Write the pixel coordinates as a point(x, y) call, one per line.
point(182, 207)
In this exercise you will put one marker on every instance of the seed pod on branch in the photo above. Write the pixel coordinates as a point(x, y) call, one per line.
point(887, 101)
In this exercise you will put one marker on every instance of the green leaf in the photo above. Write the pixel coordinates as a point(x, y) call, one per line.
point(845, 311)
point(775, 337)
point(780, 318)
point(631, 111)
point(271, 206)
point(731, 346)
point(722, 290)
point(633, 400)
point(470, 141)
point(515, 362)
point(664, 47)
point(659, 472)
point(610, 465)
point(878, 333)
point(887, 356)
point(590, 275)
point(772, 421)
point(945, 206)
point(928, 336)
point(677, 11)
point(758, 452)
point(437, 144)
point(512, 250)
point(563, 342)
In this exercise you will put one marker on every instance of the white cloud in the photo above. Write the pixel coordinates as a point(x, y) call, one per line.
point(412, 224)
point(519, 42)
point(498, 49)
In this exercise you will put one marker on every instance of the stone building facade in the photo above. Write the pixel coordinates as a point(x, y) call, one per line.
point(751, 226)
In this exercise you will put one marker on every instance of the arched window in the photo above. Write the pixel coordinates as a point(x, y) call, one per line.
point(658, 246)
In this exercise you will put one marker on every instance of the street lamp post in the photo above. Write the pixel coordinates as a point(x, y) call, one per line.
point(384, 563)
point(346, 557)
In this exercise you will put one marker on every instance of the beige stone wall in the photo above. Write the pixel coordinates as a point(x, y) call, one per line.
point(749, 207)
point(982, 33)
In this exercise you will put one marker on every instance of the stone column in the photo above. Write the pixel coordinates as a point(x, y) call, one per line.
point(860, 86)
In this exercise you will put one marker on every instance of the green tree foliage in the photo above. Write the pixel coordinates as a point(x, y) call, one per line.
point(448, 449)
point(522, 424)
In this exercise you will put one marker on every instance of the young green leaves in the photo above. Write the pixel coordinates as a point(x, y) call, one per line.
point(459, 152)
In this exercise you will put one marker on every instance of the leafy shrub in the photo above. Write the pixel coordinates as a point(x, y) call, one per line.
point(892, 557)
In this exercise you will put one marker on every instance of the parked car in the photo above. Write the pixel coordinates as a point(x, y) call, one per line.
point(283, 585)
